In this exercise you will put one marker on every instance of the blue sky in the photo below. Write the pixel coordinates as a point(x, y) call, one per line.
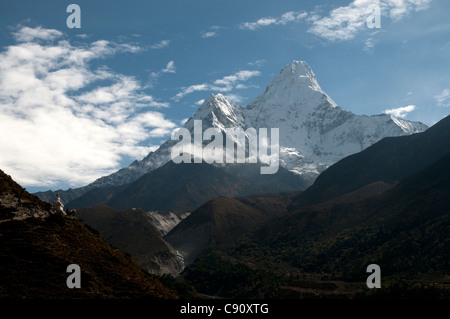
point(81, 103)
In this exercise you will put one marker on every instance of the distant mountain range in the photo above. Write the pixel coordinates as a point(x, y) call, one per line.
point(350, 191)
point(184, 187)
point(389, 205)
point(388, 161)
point(314, 133)
point(376, 206)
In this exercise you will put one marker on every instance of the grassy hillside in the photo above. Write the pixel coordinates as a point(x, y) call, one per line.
point(222, 221)
point(35, 253)
point(132, 232)
point(404, 230)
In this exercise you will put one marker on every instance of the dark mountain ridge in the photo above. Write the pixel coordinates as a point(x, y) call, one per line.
point(185, 187)
point(396, 215)
point(221, 221)
point(390, 160)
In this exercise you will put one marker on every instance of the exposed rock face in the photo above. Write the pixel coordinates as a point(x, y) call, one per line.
point(14, 208)
point(165, 221)
point(17, 204)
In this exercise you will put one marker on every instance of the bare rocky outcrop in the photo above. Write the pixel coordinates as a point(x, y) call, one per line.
point(14, 208)
point(17, 204)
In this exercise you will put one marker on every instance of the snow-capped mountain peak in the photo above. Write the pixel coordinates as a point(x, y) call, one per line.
point(314, 132)
point(217, 111)
point(295, 85)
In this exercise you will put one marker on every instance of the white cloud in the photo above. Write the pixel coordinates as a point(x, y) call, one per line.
point(230, 80)
point(208, 34)
point(26, 34)
point(369, 44)
point(344, 23)
point(443, 98)
point(154, 76)
point(82, 36)
point(161, 44)
point(191, 89)
point(170, 68)
point(234, 98)
point(397, 9)
point(225, 84)
point(257, 63)
point(69, 122)
point(284, 19)
point(212, 32)
point(400, 111)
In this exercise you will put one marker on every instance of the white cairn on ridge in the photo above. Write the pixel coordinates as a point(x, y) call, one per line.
point(57, 206)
